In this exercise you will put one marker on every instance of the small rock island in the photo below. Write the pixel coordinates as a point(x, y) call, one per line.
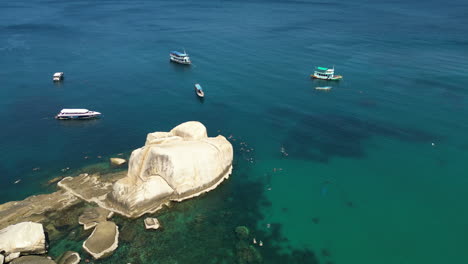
point(171, 167)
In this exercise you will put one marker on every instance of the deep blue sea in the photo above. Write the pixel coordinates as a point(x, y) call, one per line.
point(376, 170)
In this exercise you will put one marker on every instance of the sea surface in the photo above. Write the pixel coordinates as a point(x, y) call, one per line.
point(372, 171)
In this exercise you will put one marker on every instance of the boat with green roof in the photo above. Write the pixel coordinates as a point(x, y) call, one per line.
point(325, 74)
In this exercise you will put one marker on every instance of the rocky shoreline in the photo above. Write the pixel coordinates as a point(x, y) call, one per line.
point(171, 167)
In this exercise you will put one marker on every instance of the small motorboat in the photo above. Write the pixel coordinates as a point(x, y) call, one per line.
point(58, 76)
point(199, 90)
point(67, 114)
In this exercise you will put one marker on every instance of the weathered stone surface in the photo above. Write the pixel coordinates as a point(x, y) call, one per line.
point(117, 161)
point(92, 216)
point(25, 237)
point(103, 241)
point(34, 208)
point(174, 165)
point(91, 188)
point(54, 180)
point(33, 260)
point(2, 259)
point(152, 223)
point(69, 257)
point(12, 256)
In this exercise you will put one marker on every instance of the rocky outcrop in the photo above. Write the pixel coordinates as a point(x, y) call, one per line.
point(2, 259)
point(92, 216)
point(33, 260)
point(69, 257)
point(25, 237)
point(117, 161)
point(103, 241)
point(172, 166)
point(35, 208)
point(152, 223)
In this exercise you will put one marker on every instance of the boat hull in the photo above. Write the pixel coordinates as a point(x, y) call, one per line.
point(199, 93)
point(172, 59)
point(334, 78)
point(77, 117)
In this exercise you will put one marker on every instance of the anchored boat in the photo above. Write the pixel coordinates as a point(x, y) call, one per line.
point(77, 114)
point(179, 57)
point(326, 74)
point(199, 90)
point(58, 76)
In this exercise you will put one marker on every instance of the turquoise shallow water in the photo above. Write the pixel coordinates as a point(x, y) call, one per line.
point(362, 182)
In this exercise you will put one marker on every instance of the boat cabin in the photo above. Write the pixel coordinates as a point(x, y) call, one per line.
point(325, 74)
point(58, 76)
point(77, 114)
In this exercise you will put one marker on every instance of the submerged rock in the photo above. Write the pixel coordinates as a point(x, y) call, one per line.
point(54, 180)
point(152, 223)
point(174, 165)
point(33, 260)
point(25, 237)
point(117, 161)
point(247, 254)
point(103, 241)
point(92, 216)
point(69, 257)
point(242, 232)
point(51, 231)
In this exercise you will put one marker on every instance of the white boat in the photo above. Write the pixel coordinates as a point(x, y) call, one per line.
point(179, 57)
point(199, 90)
point(58, 76)
point(77, 114)
point(326, 88)
point(326, 74)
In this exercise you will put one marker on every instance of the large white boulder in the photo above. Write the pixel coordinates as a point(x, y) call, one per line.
point(173, 165)
point(25, 237)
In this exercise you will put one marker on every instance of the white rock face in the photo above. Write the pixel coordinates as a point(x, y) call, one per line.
point(12, 256)
point(2, 259)
point(173, 165)
point(25, 237)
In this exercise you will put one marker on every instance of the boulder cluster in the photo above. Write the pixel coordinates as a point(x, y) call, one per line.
point(171, 166)
point(25, 243)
